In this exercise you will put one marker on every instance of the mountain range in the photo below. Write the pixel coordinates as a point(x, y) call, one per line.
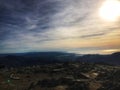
point(37, 58)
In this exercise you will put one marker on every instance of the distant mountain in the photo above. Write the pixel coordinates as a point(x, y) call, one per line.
point(115, 58)
point(96, 58)
point(35, 58)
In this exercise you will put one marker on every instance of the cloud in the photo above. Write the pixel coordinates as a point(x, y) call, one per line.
point(30, 25)
point(93, 35)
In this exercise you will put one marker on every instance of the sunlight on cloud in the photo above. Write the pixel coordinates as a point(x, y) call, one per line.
point(110, 51)
point(110, 10)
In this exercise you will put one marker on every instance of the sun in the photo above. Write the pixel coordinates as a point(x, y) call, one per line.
point(110, 10)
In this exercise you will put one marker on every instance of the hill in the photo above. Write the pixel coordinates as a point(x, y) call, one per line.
point(37, 58)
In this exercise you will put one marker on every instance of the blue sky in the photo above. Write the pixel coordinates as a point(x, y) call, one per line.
point(56, 25)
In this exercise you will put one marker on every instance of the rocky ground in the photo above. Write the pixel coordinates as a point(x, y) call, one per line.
point(61, 76)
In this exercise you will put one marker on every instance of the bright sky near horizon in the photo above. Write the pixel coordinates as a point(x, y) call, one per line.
point(80, 26)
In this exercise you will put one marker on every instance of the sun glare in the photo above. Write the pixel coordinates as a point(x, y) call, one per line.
point(110, 10)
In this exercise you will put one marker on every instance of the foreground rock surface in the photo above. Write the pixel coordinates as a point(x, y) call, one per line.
point(61, 76)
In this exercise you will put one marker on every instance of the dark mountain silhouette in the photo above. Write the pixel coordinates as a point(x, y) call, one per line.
point(36, 58)
point(96, 58)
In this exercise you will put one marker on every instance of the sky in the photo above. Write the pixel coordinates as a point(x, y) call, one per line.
point(57, 25)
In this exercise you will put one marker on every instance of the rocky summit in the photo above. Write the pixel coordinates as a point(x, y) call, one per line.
point(61, 76)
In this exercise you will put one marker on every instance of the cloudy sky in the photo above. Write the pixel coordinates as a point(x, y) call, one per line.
point(56, 25)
